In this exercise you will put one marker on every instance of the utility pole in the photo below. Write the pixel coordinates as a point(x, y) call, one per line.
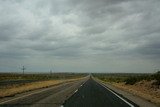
point(23, 69)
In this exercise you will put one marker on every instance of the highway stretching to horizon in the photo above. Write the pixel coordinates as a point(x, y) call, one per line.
point(92, 94)
point(84, 93)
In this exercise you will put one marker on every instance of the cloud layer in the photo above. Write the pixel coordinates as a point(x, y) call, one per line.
point(80, 36)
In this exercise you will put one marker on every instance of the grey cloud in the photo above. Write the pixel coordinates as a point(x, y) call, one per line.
point(94, 30)
point(75, 31)
point(150, 49)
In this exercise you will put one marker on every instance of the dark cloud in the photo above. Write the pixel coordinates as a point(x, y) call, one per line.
point(150, 49)
point(90, 35)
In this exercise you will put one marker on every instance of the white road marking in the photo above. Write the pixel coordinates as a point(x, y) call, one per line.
point(118, 96)
point(81, 86)
point(61, 106)
point(83, 83)
point(76, 91)
point(3, 102)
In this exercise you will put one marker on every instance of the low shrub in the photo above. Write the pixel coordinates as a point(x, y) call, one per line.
point(131, 80)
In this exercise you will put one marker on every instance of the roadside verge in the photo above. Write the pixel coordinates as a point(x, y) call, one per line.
point(32, 86)
point(136, 99)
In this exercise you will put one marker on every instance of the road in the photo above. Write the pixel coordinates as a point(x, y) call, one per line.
point(48, 97)
point(82, 93)
point(93, 94)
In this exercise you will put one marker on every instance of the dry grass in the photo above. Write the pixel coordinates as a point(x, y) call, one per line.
point(11, 91)
point(144, 89)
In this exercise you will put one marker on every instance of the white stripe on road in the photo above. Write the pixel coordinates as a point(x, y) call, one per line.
point(75, 91)
point(131, 105)
point(13, 99)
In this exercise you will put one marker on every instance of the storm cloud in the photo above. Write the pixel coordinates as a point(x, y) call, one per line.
point(80, 36)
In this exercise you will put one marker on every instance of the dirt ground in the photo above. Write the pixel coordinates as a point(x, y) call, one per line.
point(144, 89)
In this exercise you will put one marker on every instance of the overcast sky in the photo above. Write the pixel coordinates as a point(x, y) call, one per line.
point(80, 35)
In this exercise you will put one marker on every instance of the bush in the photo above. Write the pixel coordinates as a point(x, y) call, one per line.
point(131, 80)
point(157, 77)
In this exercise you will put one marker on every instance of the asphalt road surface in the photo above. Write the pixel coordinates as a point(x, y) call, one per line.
point(93, 94)
point(83, 93)
point(48, 97)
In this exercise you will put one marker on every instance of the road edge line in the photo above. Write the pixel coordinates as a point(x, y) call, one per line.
point(102, 84)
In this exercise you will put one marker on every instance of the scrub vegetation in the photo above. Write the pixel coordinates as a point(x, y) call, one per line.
point(128, 78)
point(146, 86)
point(12, 84)
point(41, 76)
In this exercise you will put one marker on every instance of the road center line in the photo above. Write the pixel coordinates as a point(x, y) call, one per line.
point(75, 91)
point(3, 102)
